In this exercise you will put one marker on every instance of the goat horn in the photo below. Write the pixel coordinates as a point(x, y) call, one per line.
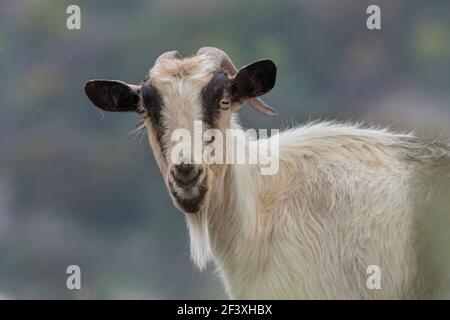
point(169, 55)
point(221, 57)
point(224, 61)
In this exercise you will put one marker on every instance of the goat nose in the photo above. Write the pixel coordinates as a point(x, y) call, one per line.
point(185, 174)
point(184, 168)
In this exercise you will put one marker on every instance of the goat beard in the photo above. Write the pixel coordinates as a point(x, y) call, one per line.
point(188, 199)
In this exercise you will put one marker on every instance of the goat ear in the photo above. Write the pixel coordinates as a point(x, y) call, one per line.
point(113, 95)
point(254, 80)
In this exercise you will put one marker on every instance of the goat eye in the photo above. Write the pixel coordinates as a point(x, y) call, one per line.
point(224, 104)
point(143, 112)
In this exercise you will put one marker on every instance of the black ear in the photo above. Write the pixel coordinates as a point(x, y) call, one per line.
point(112, 95)
point(254, 80)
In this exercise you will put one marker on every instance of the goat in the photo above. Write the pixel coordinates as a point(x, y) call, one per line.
point(344, 198)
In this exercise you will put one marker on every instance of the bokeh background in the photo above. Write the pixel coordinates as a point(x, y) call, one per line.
point(76, 188)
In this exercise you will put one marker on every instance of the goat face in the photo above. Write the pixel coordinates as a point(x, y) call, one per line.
point(188, 96)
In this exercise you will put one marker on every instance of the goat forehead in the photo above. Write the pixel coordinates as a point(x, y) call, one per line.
point(180, 82)
point(197, 68)
point(181, 104)
point(183, 86)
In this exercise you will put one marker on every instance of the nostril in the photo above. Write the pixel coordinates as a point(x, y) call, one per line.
point(186, 174)
point(184, 168)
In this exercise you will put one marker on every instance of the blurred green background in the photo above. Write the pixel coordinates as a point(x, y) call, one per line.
point(76, 188)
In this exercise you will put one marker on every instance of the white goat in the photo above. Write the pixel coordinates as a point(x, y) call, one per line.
point(344, 197)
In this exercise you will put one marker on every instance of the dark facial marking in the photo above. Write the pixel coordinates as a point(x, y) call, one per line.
point(152, 102)
point(212, 93)
point(191, 205)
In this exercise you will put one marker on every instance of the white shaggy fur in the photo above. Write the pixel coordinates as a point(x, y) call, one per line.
point(342, 200)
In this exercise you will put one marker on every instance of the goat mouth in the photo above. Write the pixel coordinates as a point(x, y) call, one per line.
point(188, 200)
